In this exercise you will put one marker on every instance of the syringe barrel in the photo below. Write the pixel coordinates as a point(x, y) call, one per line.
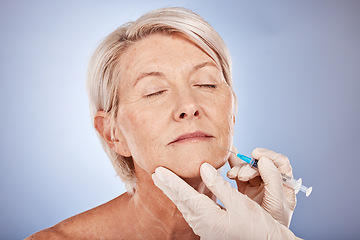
point(291, 182)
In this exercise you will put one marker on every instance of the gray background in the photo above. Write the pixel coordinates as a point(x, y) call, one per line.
point(296, 72)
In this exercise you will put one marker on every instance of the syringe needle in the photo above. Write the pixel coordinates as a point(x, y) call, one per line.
point(227, 149)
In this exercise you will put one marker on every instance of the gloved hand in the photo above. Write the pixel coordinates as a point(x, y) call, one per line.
point(277, 199)
point(242, 219)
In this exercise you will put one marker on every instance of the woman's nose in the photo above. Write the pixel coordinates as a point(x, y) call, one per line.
point(188, 109)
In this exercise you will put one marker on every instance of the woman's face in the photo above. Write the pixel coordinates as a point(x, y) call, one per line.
point(175, 107)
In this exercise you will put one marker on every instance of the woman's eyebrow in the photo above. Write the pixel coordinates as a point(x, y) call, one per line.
point(204, 64)
point(147, 74)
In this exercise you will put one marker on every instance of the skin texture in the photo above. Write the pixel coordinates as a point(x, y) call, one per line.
point(168, 87)
point(170, 84)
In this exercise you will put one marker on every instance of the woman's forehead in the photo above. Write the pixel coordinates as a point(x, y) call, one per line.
point(159, 52)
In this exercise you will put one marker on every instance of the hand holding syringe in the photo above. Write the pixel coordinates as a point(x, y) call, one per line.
point(289, 181)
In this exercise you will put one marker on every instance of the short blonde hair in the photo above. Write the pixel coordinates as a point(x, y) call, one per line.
point(103, 71)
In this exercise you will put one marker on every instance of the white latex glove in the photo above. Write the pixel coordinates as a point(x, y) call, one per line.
point(242, 219)
point(277, 199)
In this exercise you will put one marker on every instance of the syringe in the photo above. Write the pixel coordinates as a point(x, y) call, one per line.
point(289, 181)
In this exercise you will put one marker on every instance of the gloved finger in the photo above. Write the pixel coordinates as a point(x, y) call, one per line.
point(247, 173)
point(270, 175)
point(229, 196)
point(283, 164)
point(276, 203)
point(233, 172)
point(243, 172)
point(288, 192)
point(170, 183)
point(255, 191)
point(189, 202)
point(281, 161)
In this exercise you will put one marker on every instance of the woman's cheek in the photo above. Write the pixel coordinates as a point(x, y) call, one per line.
point(223, 106)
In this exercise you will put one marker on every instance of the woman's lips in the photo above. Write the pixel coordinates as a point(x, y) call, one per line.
point(191, 137)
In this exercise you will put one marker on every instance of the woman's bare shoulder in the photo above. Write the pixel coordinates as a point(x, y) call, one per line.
point(94, 223)
point(49, 233)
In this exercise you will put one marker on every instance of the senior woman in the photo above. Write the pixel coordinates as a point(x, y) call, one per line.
point(162, 102)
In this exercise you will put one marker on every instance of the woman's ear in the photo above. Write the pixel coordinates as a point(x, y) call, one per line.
point(112, 136)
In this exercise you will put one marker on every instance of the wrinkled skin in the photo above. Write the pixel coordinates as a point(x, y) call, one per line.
point(170, 87)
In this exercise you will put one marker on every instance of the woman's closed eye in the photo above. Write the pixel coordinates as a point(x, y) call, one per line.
point(207, 85)
point(153, 94)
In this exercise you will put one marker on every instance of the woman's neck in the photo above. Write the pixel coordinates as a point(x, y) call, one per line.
point(156, 216)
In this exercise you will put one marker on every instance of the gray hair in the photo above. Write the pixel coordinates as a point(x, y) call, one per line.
point(103, 71)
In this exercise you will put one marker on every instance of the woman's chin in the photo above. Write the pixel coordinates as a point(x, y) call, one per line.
point(192, 170)
point(187, 166)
